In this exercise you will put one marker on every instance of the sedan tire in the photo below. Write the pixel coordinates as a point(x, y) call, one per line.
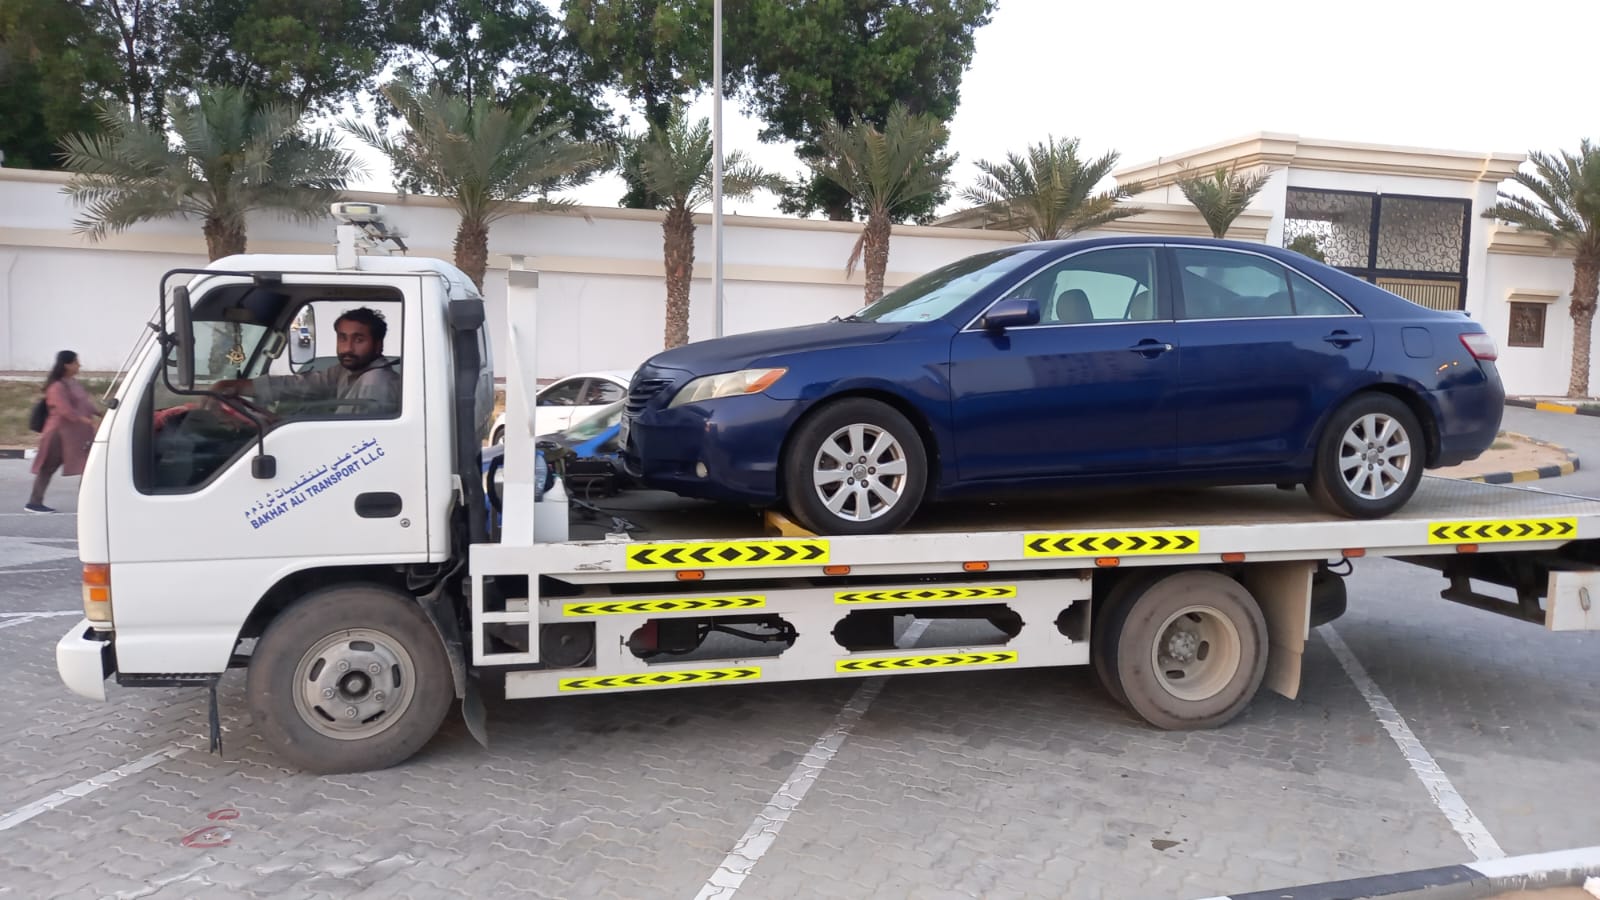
point(1370, 458)
point(855, 466)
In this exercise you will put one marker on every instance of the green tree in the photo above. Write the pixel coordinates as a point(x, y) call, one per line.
point(53, 68)
point(803, 65)
point(1565, 208)
point(515, 53)
point(144, 43)
point(230, 157)
point(658, 52)
point(1223, 196)
point(884, 171)
point(482, 157)
point(312, 54)
point(674, 163)
point(1049, 192)
point(1308, 245)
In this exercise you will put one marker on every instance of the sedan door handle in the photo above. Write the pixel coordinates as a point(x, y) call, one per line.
point(1150, 349)
point(1342, 338)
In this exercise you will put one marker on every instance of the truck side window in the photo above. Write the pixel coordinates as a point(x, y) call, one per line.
point(326, 359)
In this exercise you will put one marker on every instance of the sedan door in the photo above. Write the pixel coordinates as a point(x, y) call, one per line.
point(1089, 389)
point(1266, 351)
point(556, 405)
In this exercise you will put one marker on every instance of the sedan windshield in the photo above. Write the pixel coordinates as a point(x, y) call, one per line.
point(939, 292)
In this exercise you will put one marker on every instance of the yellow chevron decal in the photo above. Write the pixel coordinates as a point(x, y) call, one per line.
point(727, 554)
point(925, 661)
point(917, 595)
point(683, 604)
point(1111, 543)
point(1502, 531)
point(660, 679)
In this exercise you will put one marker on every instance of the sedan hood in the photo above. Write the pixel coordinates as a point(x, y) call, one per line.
point(739, 351)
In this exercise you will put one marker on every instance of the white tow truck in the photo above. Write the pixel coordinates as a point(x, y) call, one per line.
point(351, 560)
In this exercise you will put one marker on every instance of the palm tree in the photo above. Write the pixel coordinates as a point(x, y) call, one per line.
point(883, 171)
point(482, 157)
point(674, 164)
point(1566, 210)
point(1222, 197)
point(1048, 194)
point(230, 157)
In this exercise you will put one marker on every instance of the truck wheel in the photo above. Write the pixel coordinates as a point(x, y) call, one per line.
point(1102, 646)
point(1369, 459)
point(350, 678)
point(1189, 651)
point(855, 467)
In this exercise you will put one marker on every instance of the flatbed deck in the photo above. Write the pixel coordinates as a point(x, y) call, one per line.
point(1065, 531)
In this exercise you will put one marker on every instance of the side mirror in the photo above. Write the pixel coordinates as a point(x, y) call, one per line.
point(183, 325)
point(1011, 314)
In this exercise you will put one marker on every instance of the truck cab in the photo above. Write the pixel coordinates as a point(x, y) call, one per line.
point(228, 483)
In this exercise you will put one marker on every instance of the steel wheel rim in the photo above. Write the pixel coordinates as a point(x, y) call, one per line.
point(1375, 456)
point(1196, 653)
point(354, 684)
point(859, 473)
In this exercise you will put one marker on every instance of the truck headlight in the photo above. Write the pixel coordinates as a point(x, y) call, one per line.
point(728, 384)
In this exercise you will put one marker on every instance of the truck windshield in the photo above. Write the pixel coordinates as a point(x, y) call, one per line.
point(939, 292)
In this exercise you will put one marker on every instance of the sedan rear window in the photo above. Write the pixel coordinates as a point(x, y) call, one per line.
point(939, 292)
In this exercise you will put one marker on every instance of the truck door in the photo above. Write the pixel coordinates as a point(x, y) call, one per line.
point(198, 529)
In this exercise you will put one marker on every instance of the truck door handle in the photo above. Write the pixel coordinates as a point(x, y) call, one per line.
point(378, 505)
point(1342, 338)
point(1150, 348)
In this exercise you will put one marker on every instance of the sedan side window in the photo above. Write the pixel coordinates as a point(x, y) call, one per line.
point(601, 392)
point(1218, 284)
point(1312, 299)
point(1111, 285)
point(564, 393)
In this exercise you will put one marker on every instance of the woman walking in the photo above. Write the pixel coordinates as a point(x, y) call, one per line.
point(68, 429)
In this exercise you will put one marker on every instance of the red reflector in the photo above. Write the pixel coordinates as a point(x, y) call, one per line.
point(1480, 345)
point(836, 570)
point(1355, 552)
point(1233, 557)
point(1108, 562)
point(975, 566)
point(1466, 548)
point(692, 575)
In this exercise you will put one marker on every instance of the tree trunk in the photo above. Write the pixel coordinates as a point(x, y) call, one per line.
point(223, 238)
point(1585, 285)
point(875, 250)
point(677, 232)
point(472, 250)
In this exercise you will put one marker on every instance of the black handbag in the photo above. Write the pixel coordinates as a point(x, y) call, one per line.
point(37, 417)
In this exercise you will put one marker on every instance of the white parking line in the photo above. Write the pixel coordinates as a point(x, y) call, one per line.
point(12, 620)
point(1445, 796)
point(763, 832)
point(88, 786)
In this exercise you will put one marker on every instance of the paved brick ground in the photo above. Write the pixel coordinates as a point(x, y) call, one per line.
point(998, 784)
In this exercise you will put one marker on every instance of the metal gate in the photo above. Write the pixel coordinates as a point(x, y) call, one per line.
point(1411, 245)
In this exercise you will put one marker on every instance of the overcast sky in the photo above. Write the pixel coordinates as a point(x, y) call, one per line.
point(1157, 77)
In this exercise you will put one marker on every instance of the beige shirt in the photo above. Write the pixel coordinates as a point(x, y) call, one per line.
point(378, 384)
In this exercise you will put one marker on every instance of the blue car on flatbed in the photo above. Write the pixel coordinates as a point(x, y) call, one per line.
point(1106, 361)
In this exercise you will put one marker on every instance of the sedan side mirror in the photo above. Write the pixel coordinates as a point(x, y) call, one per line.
point(1011, 314)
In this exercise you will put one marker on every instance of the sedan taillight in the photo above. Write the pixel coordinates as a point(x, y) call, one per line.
point(1480, 345)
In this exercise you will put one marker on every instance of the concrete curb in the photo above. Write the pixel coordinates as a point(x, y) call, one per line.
point(1547, 406)
point(1472, 881)
point(1556, 471)
point(15, 453)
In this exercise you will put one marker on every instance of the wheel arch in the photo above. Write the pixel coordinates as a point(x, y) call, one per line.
point(291, 588)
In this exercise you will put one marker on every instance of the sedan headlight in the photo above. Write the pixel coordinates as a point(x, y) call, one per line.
point(728, 384)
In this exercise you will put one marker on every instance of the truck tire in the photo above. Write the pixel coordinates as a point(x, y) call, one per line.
point(1102, 649)
point(1188, 651)
point(1369, 459)
point(875, 490)
point(350, 678)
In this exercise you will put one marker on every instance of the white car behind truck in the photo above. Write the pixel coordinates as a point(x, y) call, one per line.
point(345, 557)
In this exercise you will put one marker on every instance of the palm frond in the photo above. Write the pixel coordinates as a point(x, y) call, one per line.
point(1224, 195)
point(1565, 204)
point(1048, 192)
point(886, 169)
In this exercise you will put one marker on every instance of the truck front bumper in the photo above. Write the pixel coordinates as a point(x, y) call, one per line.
point(85, 659)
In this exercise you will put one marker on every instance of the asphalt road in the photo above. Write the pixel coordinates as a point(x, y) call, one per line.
point(989, 784)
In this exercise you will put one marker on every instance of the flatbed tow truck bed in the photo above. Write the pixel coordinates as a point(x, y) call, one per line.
point(1033, 570)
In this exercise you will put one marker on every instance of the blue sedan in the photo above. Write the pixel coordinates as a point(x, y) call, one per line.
point(1108, 361)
